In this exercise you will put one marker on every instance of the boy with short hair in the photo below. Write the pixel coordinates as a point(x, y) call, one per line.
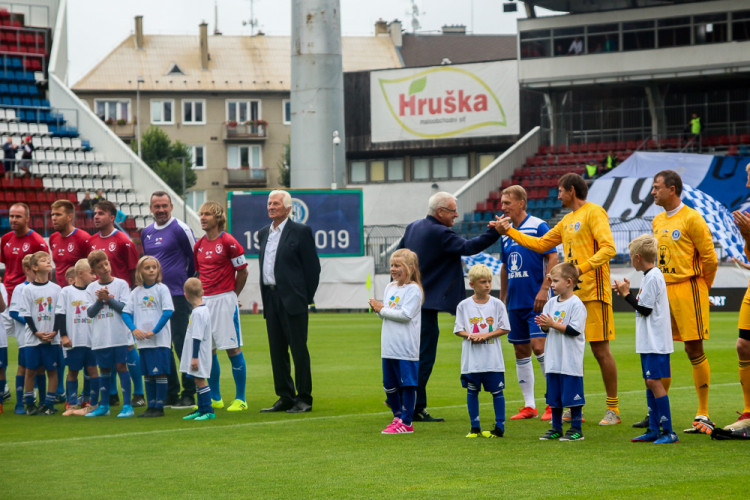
point(37, 306)
point(564, 318)
point(196, 350)
point(110, 337)
point(480, 319)
point(653, 337)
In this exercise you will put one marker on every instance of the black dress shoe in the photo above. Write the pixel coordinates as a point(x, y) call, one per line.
point(300, 407)
point(279, 405)
point(643, 424)
point(423, 416)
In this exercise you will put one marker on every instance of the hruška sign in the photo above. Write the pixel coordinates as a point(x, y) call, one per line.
point(443, 102)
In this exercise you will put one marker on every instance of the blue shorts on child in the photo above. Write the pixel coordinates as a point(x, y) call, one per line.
point(400, 373)
point(155, 361)
point(492, 381)
point(655, 366)
point(3, 357)
point(22, 357)
point(564, 391)
point(42, 355)
point(108, 357)
point(79, 357)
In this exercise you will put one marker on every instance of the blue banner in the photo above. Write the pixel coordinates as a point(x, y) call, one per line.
point(335, 218)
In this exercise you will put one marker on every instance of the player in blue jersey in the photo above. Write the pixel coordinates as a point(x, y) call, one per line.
point(524, 290)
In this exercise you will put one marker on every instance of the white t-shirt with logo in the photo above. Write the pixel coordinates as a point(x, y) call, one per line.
point(653, 333)
point(73, 303)
point(108, 329)
point(472, 317)
point(147, 304)
point(402, 321)
point(39, 302)
point(563, 353)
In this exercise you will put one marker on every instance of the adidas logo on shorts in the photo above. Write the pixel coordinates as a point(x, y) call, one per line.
point(577, 397)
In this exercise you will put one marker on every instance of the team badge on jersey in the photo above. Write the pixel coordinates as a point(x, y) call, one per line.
point(112, 246)
point(219, 248)
point(577, 226)
point(71, 247)
point(676, 234)
point(26, 246)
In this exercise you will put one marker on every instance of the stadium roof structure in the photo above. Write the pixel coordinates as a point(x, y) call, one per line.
point(583, 6)
point(434, 49)
point(237, 63)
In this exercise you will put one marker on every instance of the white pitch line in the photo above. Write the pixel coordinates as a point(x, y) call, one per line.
point(274, 422)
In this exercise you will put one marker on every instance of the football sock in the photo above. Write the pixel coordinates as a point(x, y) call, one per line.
point(393, 396)
point(204, 399)
point(665, 414)
point(557, 418)
point(94, 390)
point(702, 379)
point(41, 385)
point(60, 371)
point(498, 401)
point(525, 373)
point(28, 398)
point(126, 387)
point(113, 383)
point(86, 384)
point(408, 400)
point(744, 381)
point(150, 391)
point(104, 380)
point(19, 389)
point(540, 360)
point(472, 403)
point(49, 400)
point(134, 367)
point(161, 392)
point(653, 411)
point(612, 404)
point(666, 382)
point(71, 387)
point(213, 379)
point(239, 372)
point(576, 415)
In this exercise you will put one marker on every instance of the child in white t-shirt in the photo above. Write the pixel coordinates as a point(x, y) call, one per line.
point(564, 318)
point(399, 339)
point(480, 320)
point(653, 337)
point(196, 350)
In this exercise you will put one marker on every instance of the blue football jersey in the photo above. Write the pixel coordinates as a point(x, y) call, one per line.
point(525, 267)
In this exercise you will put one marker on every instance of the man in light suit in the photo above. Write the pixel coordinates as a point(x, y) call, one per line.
point(289, 275)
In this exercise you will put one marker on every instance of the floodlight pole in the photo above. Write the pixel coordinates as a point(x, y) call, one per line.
point(336, 142)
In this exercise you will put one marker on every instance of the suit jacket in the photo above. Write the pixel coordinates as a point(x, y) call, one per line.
point(297, 267)
point(439, 250)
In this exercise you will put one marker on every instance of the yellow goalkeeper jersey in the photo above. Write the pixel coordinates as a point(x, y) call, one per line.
point(686, 248)
point(587, 243)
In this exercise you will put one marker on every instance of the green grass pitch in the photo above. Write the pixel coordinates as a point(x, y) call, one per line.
point(338, 451)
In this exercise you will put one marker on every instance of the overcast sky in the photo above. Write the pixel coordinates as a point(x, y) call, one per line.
point(96, 27)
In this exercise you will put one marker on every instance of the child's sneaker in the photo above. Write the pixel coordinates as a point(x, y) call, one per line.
point(550, 435)
point(393, 423)
point(701, 425)
point(494, 433)
point(191, 416)
point(547, 414)
point(476, 432)
point(46, 410)
point(138, 401)
point(70, 410)
point(649, 437)
point(668, 439)
point(126, 412)
point(99, 411)
point(572, 435)
point(525, 412)
point(401, 428)
point(610, 418)
point(32, 410)
point(205, 416)
point(19, 410)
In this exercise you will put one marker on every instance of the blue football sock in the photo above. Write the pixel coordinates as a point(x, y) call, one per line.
point(576, 416)
point(653, 416)
point(60, 371)
point(213, 379)
point(28, 398)
point(49, 400)
point(408, 401)
point(19, 389)
point(204, 400)
point(665, 414)
point(113, 383)
point(71, 387)
point(472, 402)
point(161, 392)
point(134, 367)
point(41, 385)
point(126, 387)
point(239, 372)
point(393, 396)
point(104, 380)
point(498, 402)
point(94, 390)
point(2, 385)
point(86, 384)
point(557, 418)
point(150, 391)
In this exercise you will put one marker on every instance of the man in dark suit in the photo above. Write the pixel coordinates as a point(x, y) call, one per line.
point(439, 250)
point(289, 275)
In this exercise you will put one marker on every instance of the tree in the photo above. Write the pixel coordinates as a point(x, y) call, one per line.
point(284, 166)
point(165, 158)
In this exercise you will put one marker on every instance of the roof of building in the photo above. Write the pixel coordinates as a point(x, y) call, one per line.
point(237, 63)
point(431, 50)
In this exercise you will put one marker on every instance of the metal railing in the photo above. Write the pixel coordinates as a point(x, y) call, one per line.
point(380, 243)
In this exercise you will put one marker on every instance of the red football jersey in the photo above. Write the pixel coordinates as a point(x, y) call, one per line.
point(217, 261)
point(67, 250)
point(121, 252)
point(13, 251)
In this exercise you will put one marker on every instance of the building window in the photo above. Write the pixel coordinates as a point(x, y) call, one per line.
point(195, 199)
point(358, 172)
point(113, 109)
point(286, 108)
point(243, 111)
point(199, 157)
point(673, 32)
point(161, 112)
point(440, 167)
point(192, 112)
point(741, 25)
point(364, 171)
point(250, 156)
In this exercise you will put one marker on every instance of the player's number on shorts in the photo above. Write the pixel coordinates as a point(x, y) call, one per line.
point(332, 238)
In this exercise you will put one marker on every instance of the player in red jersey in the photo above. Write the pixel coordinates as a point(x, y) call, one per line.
point(68, 243)
point(16, 244)
point(121, 252)
point(220, 262)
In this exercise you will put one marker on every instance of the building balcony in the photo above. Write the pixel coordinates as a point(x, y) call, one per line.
point(246, 177)
point(124, 130)
point(244, 132)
